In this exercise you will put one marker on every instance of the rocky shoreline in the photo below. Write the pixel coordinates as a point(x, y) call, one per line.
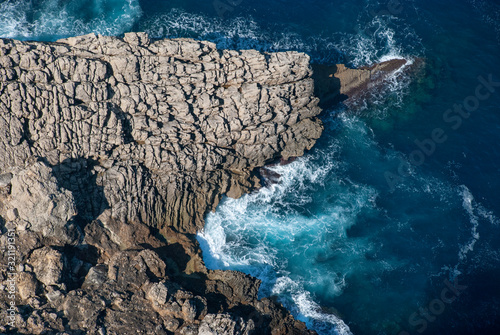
point(113, 150)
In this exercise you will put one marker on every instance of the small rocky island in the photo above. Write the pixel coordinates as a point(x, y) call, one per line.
point(113, 150)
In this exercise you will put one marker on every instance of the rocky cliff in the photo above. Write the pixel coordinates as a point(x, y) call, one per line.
point(152, 131)
point(112, 151)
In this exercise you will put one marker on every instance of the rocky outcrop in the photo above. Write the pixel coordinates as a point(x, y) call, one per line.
point(112, 152)
point(118, 278)
point(338, 83)
point(152, 131)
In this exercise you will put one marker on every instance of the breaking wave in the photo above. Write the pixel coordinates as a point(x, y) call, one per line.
point(53, 19)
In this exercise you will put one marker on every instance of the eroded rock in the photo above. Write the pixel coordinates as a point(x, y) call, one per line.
point(339, 83)
point(112, 152)
point(48, 265)
point(37, 203)
point(155, 131)
point(224, 324)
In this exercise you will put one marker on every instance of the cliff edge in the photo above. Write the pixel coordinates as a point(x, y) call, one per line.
point(112, 151)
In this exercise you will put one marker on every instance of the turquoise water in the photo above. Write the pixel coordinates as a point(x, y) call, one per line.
point(367, 233)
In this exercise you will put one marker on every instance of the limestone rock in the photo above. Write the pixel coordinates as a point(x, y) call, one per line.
point(153, 130)
point(27, 285)
point(36, 198)
point(235, 286)
point(97, 275)
point(158, 293)
point(113, 150)
point(224, 324)
point(47, 265)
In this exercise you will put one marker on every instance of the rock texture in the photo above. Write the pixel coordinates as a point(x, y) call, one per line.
point(152, 131)
point(112, 150)
point(338, 83)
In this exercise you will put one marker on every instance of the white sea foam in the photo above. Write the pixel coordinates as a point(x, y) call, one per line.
point(373, 43)
point(53, 19)
point(468, 205)
point(237, 33)
point(376, 41)
point(281, 216)
point(271, 233)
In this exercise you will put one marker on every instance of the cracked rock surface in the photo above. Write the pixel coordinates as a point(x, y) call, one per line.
point(112, 151)
point(152, 131)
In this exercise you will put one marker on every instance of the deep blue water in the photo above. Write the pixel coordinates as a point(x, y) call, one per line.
point(367, 232)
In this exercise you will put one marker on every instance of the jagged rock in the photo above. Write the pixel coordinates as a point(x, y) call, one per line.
point(127, 270)
point(82, 310)
point(158, 293)
point(224, 324)
point(97, 275)
point(235, 286)
point(154, 131)
point(54, 296)
point(48, 265)
point(39, 204)
point(27, 285)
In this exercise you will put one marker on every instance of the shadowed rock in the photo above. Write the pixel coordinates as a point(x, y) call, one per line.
point(338, 83)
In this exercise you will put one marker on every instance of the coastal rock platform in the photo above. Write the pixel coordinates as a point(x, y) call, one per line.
point(112, 151)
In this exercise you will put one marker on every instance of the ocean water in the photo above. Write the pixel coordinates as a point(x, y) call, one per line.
point(390, 224)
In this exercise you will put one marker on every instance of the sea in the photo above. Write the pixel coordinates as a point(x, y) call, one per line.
point(390, 224)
